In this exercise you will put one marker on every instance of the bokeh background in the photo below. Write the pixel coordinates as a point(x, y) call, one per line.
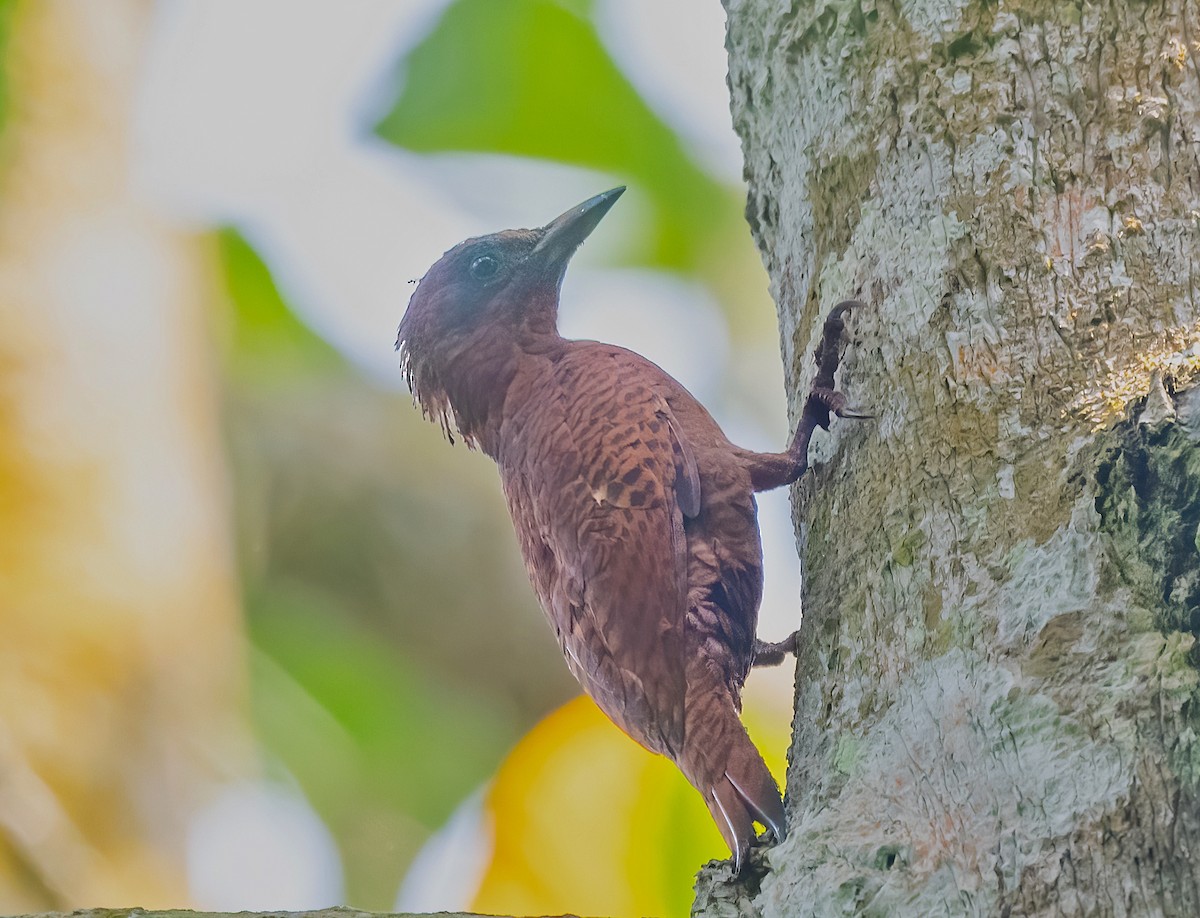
point(266, 641)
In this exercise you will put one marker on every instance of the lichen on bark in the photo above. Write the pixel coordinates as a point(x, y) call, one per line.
point(997, 707)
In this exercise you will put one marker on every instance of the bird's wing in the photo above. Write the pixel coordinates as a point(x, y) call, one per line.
point(599, 491)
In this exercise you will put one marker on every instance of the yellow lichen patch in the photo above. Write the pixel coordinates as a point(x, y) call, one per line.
point(1132, 226)
point(1176, 53)
point(1097, 243)
point(1173, 356)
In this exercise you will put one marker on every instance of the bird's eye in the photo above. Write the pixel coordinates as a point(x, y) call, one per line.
point(484, 268)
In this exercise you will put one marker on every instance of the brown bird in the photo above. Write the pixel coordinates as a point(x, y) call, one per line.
point(635, 515)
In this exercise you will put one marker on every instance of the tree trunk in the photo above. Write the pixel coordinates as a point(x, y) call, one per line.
point(997, 708)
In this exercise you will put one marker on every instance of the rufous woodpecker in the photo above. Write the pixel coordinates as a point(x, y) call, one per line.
point(635, 515)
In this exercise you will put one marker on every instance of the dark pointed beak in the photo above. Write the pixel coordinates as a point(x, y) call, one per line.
point(565, 233)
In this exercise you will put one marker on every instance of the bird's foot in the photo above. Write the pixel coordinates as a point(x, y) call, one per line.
point(768, 654)
point(772, 470)
point(834, 401)
point(823, 399)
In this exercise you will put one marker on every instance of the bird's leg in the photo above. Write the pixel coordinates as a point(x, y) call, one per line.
point(768, 654)
point(773, 470)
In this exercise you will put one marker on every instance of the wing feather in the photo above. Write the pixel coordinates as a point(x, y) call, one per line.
point(687, 477)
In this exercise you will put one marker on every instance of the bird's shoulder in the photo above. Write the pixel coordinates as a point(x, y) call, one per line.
point(620, 409)
point(627, 377)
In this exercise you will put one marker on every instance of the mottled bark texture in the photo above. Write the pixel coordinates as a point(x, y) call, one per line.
point(997, 708)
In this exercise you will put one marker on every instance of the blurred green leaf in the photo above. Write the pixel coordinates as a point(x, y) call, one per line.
point(383, 748)
point(532, 78)
point(424, 744)
point(266, 339)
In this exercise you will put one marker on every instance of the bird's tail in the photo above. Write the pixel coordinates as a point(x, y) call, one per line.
point(728, 770)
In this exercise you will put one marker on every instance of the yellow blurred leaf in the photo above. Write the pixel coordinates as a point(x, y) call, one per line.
point(586, 821)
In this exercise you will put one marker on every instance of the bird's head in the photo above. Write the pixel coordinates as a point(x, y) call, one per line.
point(482, 301)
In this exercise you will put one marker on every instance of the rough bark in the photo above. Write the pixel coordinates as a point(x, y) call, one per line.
point(997, 708)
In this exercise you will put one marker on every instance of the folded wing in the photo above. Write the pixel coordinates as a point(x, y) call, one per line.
point(599, 485)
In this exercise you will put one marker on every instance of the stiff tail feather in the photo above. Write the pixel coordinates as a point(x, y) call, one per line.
point(744, 794)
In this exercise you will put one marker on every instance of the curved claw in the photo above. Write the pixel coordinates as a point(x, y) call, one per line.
point(853, 414)
point(844, 307)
